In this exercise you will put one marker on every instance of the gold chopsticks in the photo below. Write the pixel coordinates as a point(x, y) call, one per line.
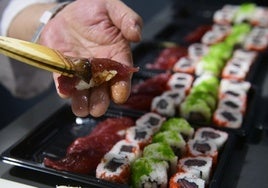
point(42, 57)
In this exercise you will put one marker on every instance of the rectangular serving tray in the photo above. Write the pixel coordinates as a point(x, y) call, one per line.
point(55, 134)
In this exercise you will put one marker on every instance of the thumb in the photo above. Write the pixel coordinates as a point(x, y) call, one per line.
point(128, 21)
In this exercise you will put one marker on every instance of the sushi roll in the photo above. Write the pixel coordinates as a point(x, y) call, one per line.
point(239, 65)
point(164, 106)
point(244, 12)
point(150, 120)
point(181, 81)
point(209, 65)
point(233, 85)
point(196, 110)
point(200, 167)
point(245, 55)
point(205, 96)
point(225, 16)
point(204, 148)
point(238, 34)
point(231, 103)
point(226, 118)
point(179, 125)
point(259, 31)
point(221, 50)
point(197, 50)
point(114, 168)
point(260, 17)
point(162, 151)
point(234, 91)
point(243, 64)
point(140, 135)
point(232, 40)
point(234, 71)
point(207, 79)
point(256, 43)
point(185, 65)
point(177, 96)
point(223, 29)
point(130, 150)
point(201, 102)
point(173, 139)
point(212, 37)
point(239, 94)
point(207, 133)
point(184, 179)
point(149, 172)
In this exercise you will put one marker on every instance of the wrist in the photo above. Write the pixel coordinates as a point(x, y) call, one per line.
point(44, 19)
point(26, 21)
point(13, 8)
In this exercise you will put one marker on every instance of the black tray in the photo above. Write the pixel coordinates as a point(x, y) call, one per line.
point(53, 136)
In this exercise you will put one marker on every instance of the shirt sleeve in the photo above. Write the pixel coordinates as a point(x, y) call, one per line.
point(22, 81)
point(12, 9)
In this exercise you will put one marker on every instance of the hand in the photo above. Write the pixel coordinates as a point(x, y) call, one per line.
point(95, 28)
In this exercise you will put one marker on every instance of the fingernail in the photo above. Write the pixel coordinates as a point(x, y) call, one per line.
point(138, 30)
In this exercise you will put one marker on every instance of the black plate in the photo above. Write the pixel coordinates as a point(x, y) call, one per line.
point(53, 136)
point(51, 139)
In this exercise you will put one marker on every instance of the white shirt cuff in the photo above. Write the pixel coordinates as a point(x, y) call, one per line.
point(13, 8)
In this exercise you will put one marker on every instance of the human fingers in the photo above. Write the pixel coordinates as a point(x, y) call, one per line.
point(94, 101)
point(80, 102)
point(120, 90)
point(99, 100)
point(121, 87)
point(128, 21)
point(79, 98)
